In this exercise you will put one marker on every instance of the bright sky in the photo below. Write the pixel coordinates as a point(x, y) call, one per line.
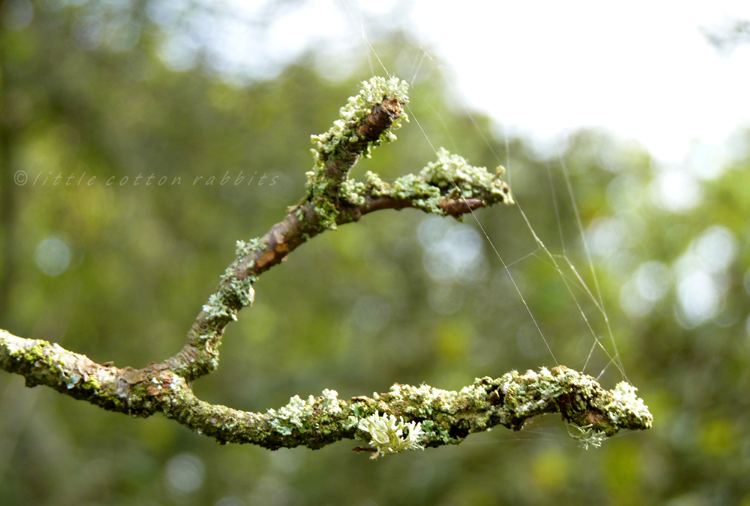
point(642, 69)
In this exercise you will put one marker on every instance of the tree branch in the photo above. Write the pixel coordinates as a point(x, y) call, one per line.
point(402, 419)
point(437, 417)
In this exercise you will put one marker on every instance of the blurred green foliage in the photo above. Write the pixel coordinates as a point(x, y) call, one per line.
point(118, 271)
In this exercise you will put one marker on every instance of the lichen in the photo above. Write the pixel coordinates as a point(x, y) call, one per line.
point(587, 435)
point(244, 248)
point(627, 408)
point(344, 129)
point(216, 308)
point(453, 172)
point(91, 383)
point(451, 177)
point(352, 192)
point(242, 290)
point(390, 435)
point(327, 213)
point(294, 415)
point(232, 291)
point(341, 145)
point(433, 431)
point(330, 401)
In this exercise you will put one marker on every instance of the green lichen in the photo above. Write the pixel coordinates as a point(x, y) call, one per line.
point(627, 408)
point(36, 353)
point(244, 248)
point(330, 401)
point(594, 411)
point(421, 193)
point(232, 291)
point(344, 130)
point(217, 309)
point(452, 173)
point(423, 400)
point(434, 432)
point(242, 290)
point(352, 192)
point(327, 213)
point(451, 177)
point(91, 383)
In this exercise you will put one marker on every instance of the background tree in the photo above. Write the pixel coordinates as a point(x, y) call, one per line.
point(133, 264)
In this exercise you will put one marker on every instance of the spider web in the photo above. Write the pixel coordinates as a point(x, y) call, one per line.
point(585, 296)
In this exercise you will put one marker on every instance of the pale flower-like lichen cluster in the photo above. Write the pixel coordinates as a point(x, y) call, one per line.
point(389, 435)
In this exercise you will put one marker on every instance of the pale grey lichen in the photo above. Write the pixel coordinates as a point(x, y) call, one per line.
point(242, 290)
point(453, 171)
point(330, 401)
point(216, 308)
point(626, 404)
point(232, 289)
point(352, 192)
point(390, 435)
point(451, 177)
point(292, 416)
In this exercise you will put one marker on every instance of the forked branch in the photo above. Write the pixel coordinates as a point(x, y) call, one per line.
point(404, 418)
